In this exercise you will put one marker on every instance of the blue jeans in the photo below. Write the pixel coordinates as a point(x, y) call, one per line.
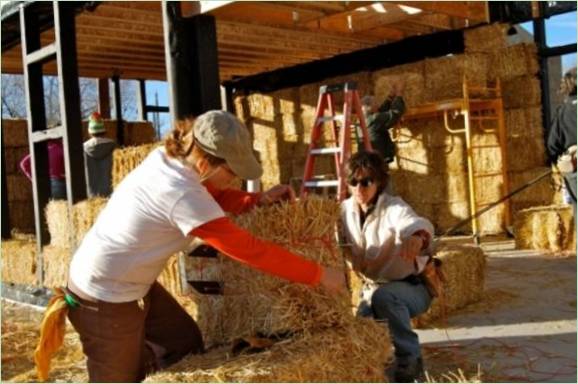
point(397, 302)
point(58, 189)
point(570, 179)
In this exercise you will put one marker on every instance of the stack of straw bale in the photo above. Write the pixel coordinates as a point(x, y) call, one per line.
point(19, 260)
point(427, 155)
point(321, 339)
point(276, 305)
point(64, 230)
point(465, 271)
point(127, 159)
point(545, 228)
point(15, 133)
point(356, 353)
point(135, 132)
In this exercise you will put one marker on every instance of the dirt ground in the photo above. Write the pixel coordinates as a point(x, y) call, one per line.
point(524, 330)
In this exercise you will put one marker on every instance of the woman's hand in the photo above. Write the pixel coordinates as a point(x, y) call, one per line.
point(333, 280)
point(411, 247)
point(277, 193)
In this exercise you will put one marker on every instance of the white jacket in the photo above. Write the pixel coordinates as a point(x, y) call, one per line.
point(391, 217)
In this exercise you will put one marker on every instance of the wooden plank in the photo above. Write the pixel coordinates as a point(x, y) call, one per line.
point(103, 97)
point(475, 10)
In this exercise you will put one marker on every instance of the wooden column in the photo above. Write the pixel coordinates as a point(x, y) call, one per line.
point(6, 225)
point(104, 98)
point(118, 111)
point(142, 100)
point(191, 62)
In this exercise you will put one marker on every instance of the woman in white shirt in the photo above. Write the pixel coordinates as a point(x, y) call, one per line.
point(390, 247)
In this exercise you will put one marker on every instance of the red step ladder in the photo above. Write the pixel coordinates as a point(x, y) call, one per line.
point(341, 134)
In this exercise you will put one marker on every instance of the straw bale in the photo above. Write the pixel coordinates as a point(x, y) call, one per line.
point(545, 228)
point(15, 132)
point(56, 261)
point(262, 106)
point(58, 223)
point(126, 159)
point(355, 353)
point(516, 60)
point(524, 121)
point(488, 38)
point(22, 216)
point(170, 277)
point(456, 185)
point(492, 221)
point(426, 188)
point(540, 193)
point(444, 76)
point(255, 302)
point(411, 74)
point(84, 214)
point(521, 91)
point(487, 159)
point(488, 188)
point(414, 159)
point(19, 188)
point(139, 132)
point(13, 156)
point(450, 159)
point(19, 260)
point(526, 152)
point(446, 215)
point(435, 134)
point(465, 271)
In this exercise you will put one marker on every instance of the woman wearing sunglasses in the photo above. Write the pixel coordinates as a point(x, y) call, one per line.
point(390, 247)
point(128, 324)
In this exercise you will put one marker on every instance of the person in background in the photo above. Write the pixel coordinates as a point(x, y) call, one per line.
point(129, 325)
point(561, 143)
point(98, 158)
point(55, 169)
point(391, 246)
point(381, 118)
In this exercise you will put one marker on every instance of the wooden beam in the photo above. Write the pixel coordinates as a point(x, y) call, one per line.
point(103, 98)
point(474, 10)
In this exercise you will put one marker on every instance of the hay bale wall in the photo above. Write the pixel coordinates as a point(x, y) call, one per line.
point(19, 260)
point(548, 228)
point(15, 132)
point(430, 167)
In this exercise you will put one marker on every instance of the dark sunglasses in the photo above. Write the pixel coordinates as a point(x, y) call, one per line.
point(365, 182)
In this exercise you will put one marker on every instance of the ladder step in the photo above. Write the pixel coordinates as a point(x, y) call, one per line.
point(47, 134)
point(321, 183)
point(325, 151)
point(326, 119)
point(42, 55)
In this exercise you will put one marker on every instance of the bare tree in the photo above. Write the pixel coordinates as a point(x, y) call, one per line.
point(14, 98)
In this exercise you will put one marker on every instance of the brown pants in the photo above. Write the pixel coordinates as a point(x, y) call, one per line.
point(124, 342)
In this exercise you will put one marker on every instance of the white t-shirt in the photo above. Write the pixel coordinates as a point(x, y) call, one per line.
point(146, 220)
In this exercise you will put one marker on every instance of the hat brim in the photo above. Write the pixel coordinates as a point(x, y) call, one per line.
point(246, 167)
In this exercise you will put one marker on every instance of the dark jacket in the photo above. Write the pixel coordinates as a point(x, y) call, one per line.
point(563, 129)
point(379, 123)
point(98, 166)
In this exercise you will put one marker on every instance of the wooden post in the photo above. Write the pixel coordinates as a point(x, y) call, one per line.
point(104, 98)
point(118, 111)
point(6, 225)
point(142, 100)
point(191, 62)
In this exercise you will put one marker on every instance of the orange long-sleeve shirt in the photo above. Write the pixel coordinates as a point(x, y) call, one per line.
point(242, 246)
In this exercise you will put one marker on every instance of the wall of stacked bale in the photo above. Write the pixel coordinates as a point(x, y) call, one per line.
point(15, 132)
point(549, 228)
point(430, 168)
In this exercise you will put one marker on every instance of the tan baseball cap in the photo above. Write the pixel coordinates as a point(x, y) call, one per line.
point(222, 135)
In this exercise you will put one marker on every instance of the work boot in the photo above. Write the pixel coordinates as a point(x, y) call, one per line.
point(409, 371)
